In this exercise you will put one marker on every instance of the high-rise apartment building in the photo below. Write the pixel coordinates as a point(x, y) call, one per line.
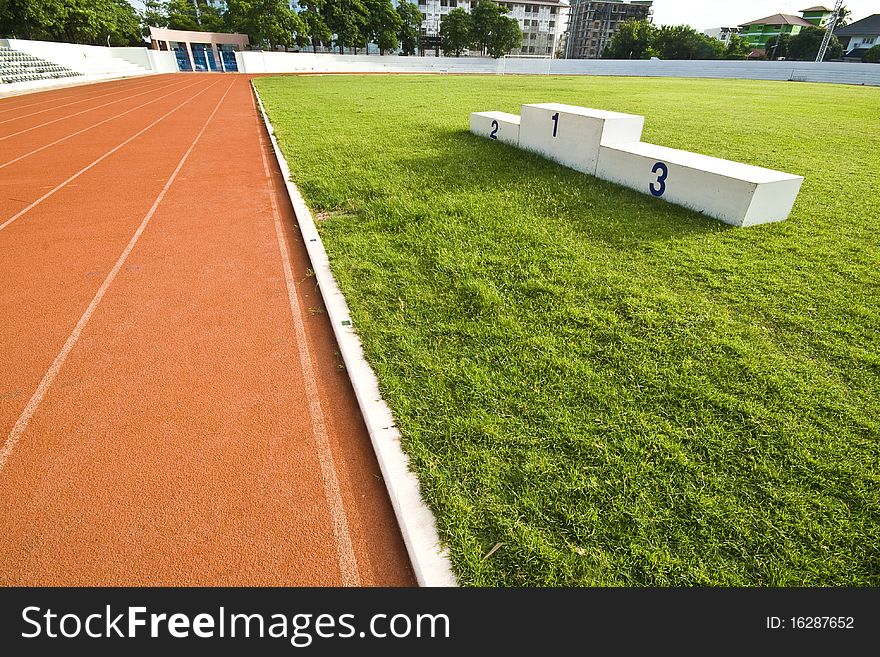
point(592, 24)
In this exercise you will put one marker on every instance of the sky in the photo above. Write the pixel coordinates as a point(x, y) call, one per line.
point(704, 14)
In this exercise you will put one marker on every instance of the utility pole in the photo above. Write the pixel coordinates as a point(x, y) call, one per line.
point(829, 31)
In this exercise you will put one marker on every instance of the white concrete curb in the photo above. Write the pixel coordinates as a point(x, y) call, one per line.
point(430, 560)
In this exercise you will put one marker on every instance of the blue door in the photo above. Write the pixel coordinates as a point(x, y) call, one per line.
point(182, 59)
point(212, 63)
point(229, 63)
point(200, 62)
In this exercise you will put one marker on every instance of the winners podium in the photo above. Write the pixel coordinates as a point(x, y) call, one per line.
point(608, 145)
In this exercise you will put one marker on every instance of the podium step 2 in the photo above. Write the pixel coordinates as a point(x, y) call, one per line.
point(732, 192)
point(500, 126)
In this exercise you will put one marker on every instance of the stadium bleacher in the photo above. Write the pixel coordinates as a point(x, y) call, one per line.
point(18, 66)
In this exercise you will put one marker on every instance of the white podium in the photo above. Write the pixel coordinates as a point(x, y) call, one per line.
point(608, 145)
point(501, 126)
point(735, 193)
point(572, 135)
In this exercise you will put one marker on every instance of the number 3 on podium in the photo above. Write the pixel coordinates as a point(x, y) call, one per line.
point(662, 171)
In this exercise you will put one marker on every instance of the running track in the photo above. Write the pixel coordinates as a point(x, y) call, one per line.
point(172, 411)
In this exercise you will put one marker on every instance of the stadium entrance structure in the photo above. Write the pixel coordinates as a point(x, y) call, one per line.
point(200, 51)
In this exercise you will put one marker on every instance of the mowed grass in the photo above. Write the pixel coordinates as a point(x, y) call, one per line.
point(619, 391)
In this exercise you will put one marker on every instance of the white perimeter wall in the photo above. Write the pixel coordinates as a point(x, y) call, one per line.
point(162, 61)
point(280, 62)
point(157, 61)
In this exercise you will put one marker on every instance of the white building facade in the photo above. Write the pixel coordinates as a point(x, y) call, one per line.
point(542, 21)
point(723, 34)
point(861, 35)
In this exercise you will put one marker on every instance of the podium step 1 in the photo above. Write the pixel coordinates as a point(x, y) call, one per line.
point(572, 135)
point(500, 126)
point(732, 192)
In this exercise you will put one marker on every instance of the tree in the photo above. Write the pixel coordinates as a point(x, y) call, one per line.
point(456, 32)
point(211, 19)
point(28, 19)
point(505, 36)
point(777, 47)
point(181, 15)
point(872, 56)
point(126, 28)
point(96, 22)
point(843, 17)
point(493, 31)
point(155, 14)
point(805, 45)
point(737, 48)
point(101, 22)
point(641, 40)
point(486, 17)
point(268, 23)
point(193, 15)
point(684, 42)
point(410, 25)
point(384, 22)
point(349, 21)
point(632, 40)
point(316, 27)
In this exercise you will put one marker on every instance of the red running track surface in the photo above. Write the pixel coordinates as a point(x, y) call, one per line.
point(172, 407)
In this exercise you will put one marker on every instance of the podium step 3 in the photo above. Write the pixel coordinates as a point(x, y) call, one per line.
point(735, 193)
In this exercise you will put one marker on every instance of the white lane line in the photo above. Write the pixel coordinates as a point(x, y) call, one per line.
point(418, 526)
point(79, 132)
point(103, 157)
point(73, 102)
point(348, 567)
point(24, 419)
point(97, 87)
point(88, 109)
point(54, 95)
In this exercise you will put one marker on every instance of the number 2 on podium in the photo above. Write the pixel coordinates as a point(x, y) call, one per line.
point(494, 133)
point(555, 119)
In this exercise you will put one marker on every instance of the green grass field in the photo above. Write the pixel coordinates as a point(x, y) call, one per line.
point(619, 391)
